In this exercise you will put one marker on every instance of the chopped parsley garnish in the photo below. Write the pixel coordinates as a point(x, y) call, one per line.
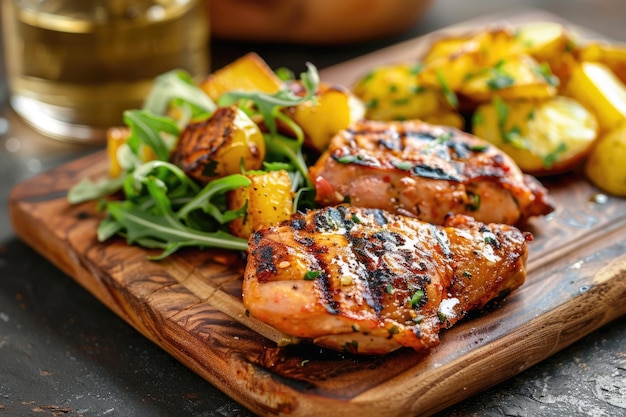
point(347, 159)
point(417, 89)
point(512, 136)
point(401, 101)
point(311, 275)
point(543, 70)
point(553, 156)
point(372, 104)
point(402, 165)
point(416, 69)
point(450, 96)
point(416, 297)
point(500, 81)
point(477, 118)
point(474, 203)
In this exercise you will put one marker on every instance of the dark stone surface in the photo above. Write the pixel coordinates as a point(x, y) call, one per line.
point(62, 353)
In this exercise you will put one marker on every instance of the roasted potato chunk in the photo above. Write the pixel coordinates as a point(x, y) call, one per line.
point(394, 93)
point(446, 118)
point(454, 59)
point(542, 137)
point(269, 201)
point(248, 73)
point(224, 144)
point(116, 144)
point(612, 55)
point(333, 109)
point(511, 78)
point(594, 85)
point(606, 165)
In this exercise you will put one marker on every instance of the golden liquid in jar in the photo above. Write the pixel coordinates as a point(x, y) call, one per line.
point(75, 66)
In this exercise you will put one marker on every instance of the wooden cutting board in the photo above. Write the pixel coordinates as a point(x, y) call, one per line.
point(190, 303)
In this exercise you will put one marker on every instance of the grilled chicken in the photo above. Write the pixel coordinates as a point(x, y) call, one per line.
point(368, 281)
point(425, 171)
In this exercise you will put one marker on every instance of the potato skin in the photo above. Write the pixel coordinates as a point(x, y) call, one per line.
point(269, 199)
point(598, 88)
point(334, 108)
point(606, 165)
point(248, 73)
point(221, 145)
point(543, 137)
point(394, 92)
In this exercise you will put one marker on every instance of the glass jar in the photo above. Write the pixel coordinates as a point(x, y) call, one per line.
point(74, 66)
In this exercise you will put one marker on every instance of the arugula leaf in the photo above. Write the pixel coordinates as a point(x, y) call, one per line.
point(283, 146)
point(146, 127)
point(170, 176)
point(176, 84)
point(159, 226)
point(202, 200)
point(163, 207)
point(87, 190)
point(269, 105)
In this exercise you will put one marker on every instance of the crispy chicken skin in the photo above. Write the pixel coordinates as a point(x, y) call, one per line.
point(425, 171)
point(368, 281)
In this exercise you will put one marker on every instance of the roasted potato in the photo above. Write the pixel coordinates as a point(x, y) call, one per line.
point(550, 43)
point(544, 41)
point(116, 145)
point(542, 137)
point(333, 109)
point(394, 93)
point(269, 201)
point(446, 118)
point(226, 143)
point(594, 85)
point(613, 55)
point(454, 59)
point(248, 73)
point(511, 78)
point(606, 165)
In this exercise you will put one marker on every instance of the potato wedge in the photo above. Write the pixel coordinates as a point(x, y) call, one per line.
point(335, 108)
point(517, 77)
point(454, 61)
point(248, 73)
point(606, 165)
point(542, 137)
point(394, 93)
point(269, 201)
point(613, 55)
point(544, 41)
point(594, 85)
point(224, 144)
point(549, 42)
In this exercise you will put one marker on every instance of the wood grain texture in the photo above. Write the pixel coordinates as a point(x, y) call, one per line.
point(190, 303)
